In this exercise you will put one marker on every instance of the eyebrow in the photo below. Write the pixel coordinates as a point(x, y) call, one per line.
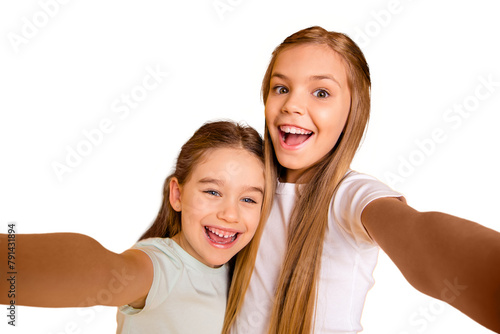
point(220, 183)
point(312, 78)
point(211, 180)
point(255, 189)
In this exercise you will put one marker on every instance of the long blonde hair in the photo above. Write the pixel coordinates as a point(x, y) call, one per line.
point(245, 260)
point(295, 299)
point(211, 135)
point(221, 134)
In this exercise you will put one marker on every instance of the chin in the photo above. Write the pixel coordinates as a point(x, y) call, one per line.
point(218, 262)
point(291, 164)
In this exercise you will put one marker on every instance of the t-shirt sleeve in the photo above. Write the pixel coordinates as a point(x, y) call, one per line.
point(166, 268)
point(354, 193)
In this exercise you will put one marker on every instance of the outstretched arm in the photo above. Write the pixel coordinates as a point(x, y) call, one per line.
point(445, 257)
point(74, 270)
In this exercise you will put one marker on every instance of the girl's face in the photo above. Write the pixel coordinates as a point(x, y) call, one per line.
point(220, 205)
point(307, 106)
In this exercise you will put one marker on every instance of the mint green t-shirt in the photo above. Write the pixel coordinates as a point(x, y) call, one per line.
point(186, 296)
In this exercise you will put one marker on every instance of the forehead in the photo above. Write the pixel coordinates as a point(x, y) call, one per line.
point(310, 60)
point(232, 164)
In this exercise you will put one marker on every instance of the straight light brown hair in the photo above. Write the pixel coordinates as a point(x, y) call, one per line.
point(295, 299)
point(213, 135)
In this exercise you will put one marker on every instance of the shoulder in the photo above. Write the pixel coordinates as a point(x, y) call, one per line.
point(353, 194)
point(158, 258)
point(159, 243)
point(356, 190)
point(166, 253)
point(353, 177)
point(162, 252)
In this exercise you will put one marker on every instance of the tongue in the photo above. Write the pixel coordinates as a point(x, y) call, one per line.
point(295, 139)
point(217, 239)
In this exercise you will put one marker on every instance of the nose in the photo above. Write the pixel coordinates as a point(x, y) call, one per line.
point(294, 104)
point(228, 211)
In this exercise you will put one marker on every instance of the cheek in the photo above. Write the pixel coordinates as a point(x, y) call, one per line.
point(196, 206)
point(254, 222)
point(271, 108)
point(267, 115)
point(332, 120)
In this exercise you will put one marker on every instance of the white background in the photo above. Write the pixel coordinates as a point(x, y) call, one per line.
point(64, 76)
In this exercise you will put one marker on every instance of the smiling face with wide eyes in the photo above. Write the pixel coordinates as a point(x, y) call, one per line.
point(307, 106)
point(220, 204)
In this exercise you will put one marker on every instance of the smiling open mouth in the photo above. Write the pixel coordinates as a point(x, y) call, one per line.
point(219, 236)
point(293, 136)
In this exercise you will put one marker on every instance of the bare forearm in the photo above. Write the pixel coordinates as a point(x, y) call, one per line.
point(446, 257)
point(58, 270)
point(463, 265)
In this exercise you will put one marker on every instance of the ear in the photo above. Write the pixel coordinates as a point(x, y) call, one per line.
point(175, 194)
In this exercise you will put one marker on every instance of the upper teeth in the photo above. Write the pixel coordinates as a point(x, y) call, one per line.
point(294, 130)
point(221, 233)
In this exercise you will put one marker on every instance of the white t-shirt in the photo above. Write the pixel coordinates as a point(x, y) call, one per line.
point(348, 259)
point(186, 296)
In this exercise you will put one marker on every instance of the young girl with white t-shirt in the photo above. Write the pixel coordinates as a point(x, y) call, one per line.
point(319, 246)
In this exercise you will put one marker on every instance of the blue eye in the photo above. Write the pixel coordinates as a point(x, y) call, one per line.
point(321, 93)
point(212, 192)
point(248, 200)
point(280, 90)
